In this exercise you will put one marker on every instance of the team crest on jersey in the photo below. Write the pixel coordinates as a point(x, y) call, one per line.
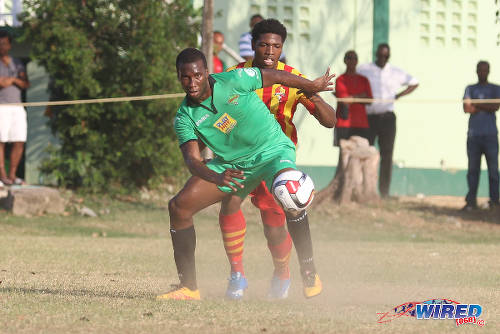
point(233, 99)
point(225, 123)
point(279, 92)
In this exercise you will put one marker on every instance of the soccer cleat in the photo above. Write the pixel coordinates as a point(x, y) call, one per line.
point(279, 288)
point(237, 284)
point(179, 292)
point(312, 284)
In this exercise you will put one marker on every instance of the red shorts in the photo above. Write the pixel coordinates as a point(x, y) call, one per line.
point(272, 214)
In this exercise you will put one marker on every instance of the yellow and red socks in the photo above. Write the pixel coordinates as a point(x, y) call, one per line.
point(184, 244)
point(233, 228)
point(281, 257)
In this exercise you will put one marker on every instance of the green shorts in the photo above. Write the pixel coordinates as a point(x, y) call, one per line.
point(262, 166)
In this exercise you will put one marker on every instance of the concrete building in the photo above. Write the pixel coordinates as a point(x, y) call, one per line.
point(437, 41)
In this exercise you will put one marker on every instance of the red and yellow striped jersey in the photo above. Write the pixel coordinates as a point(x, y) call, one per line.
point(281, 100)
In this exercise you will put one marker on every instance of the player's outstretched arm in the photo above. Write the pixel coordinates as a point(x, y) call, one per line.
point(192, 157)
point(321, 84)
point(323, 112)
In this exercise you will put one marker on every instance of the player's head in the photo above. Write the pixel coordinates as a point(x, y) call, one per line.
point(5, 42)
point(218, 41)
point(192, 73)
point(383, 54)
point(483, 70)
point(351, 60)
point(254, 20)
point(268, 37)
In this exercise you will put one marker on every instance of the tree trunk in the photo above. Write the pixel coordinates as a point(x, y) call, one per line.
point(207, 47)
point(207, 33)
point(356, 176)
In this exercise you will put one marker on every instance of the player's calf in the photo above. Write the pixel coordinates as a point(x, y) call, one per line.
point(294, 190)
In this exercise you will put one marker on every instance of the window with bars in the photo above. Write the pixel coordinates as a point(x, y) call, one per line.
point(294, 14)
point(9, 9)
point(448, 23)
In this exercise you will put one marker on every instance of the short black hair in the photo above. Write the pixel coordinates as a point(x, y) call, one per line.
point(189, 55)
point(255, 16)
point(383, 45)
point(350, 52)
point(483, 62)
point(269, 26)
point(5, 33)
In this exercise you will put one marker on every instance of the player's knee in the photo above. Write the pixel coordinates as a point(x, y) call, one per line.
point(176, 210)
point(272, 216)
point(295, 216)
point(275, 234)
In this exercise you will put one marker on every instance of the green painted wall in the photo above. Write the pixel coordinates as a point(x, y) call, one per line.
point(39, 135)
point(412, 181)
point(380, 24)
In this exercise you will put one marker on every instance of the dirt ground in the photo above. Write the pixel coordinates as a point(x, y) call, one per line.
point(100, 275)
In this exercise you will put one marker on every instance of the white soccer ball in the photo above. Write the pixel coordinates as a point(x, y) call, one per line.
point(294, 190)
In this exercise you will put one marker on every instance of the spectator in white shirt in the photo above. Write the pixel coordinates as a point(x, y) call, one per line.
point(245, 43)
point(385, 80)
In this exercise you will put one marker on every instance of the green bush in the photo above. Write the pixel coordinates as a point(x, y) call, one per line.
point(111, 48)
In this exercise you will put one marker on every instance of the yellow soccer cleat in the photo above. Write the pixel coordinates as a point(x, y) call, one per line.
point(312, 285)
point(180, 293)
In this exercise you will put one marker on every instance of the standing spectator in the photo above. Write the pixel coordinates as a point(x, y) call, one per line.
point(219, 65)
point(13, 124)
point(482, 136)
point(245, 44)
point(351, 117)
point(385, 81)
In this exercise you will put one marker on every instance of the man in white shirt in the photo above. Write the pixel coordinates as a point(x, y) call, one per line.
point(385, 80)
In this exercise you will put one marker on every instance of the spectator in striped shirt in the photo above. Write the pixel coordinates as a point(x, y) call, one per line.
point(268, 37)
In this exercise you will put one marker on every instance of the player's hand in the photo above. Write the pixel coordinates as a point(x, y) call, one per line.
point(227, 178)
point(322, 84)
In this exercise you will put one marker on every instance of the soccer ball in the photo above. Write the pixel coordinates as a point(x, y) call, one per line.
point(294, 190)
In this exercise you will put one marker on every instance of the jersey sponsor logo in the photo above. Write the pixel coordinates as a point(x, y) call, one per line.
point(280, 93)
point(225, 123)
point(201, 120)
point(233, 99)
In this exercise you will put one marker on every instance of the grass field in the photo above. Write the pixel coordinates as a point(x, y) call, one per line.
point(74, 274)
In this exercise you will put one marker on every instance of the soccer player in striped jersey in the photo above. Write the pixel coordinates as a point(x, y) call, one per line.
point(268, 37)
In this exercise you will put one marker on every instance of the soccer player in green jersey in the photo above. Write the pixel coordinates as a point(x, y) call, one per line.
point(223, 112)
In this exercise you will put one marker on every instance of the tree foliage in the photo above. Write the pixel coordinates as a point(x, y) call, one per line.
point(111, 48)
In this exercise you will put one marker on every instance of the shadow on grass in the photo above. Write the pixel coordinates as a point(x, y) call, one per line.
point(483, 215)
point(76, 293)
